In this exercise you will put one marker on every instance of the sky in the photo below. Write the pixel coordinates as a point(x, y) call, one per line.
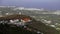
point(46, 4)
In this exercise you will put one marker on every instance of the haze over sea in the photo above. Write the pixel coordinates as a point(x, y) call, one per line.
point(46, 4)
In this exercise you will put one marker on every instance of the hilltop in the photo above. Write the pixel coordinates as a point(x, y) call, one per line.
point(35, 25)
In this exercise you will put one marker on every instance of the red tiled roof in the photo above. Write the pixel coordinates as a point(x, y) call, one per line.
point(25, 19)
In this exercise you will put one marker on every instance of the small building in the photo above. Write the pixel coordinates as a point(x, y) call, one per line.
point(25, 20)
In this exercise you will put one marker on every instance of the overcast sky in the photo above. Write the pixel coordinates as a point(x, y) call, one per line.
point(46, 4)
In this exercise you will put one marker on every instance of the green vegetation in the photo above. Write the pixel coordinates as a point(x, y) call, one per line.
point(8, 29)
point(54, 18)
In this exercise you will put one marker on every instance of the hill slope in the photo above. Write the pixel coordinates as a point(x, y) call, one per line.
point(38, 25)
